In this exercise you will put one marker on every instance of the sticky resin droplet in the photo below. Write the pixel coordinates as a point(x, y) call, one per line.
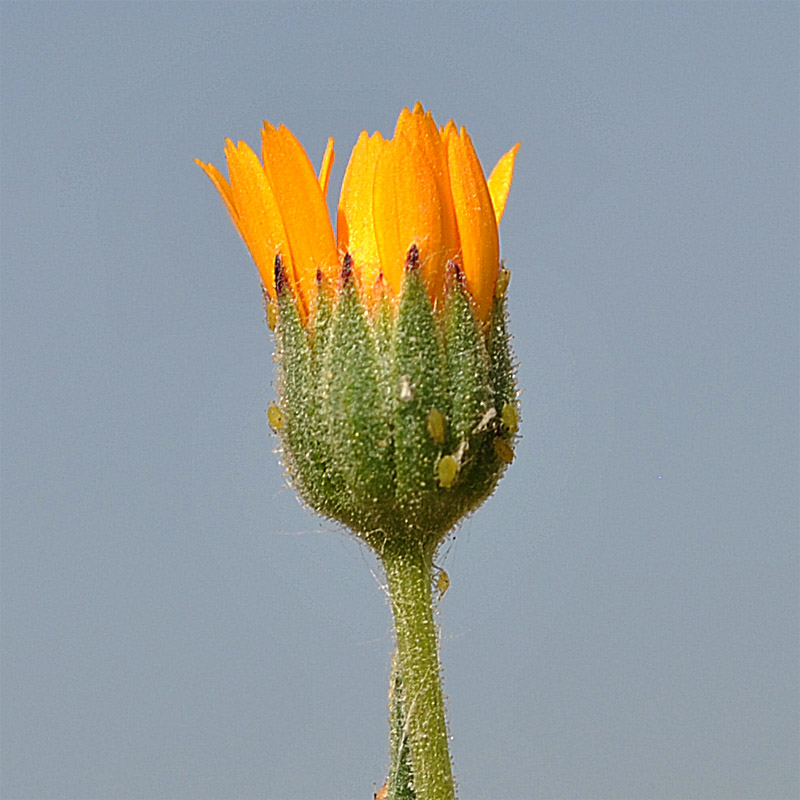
point(447, 470)
point(436, 425)
point(504, 450)
point(275, 417)
point(509, 417)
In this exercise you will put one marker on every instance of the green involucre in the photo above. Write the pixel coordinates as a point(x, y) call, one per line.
point(357, 388)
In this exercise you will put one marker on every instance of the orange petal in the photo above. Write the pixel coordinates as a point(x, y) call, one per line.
point(500, 181)
point(355, 228)
point(418, 125)
point(477, 228)
point(419, 128)
point(325, 168)
point(303, 210)
point(448, 131)
point(260, 220)
point(408, 210)
point(222, 186)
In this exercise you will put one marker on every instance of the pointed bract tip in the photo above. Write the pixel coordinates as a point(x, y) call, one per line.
point(347, 269)
point(412, 258)
point(455, 275)
point(281, 280)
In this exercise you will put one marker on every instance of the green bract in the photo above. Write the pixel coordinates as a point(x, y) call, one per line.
point(395, 419)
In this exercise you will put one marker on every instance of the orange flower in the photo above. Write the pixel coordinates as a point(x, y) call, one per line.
point(423, 187)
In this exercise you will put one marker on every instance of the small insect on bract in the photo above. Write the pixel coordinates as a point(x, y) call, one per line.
point(442, 582)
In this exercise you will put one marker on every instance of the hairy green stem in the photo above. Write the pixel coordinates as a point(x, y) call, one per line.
point(400, 785)
point(408, 572)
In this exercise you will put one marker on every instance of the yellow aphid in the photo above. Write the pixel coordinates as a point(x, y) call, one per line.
point(442, 583)
point(509, 417)
point(447, 471)
point(503, 278)
point(436, 425)
point(504, 450)
point(275, 417)
point(272, 315)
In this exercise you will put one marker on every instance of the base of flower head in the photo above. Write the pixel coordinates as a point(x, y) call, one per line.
point(397, 418)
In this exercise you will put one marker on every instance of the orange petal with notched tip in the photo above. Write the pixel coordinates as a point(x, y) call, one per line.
point(449, 130)
point(302, 207)
point(419, 127)
point(260, 221)
point(480, 248)
point(500, 181)
point(407, 210)
point(355, 228)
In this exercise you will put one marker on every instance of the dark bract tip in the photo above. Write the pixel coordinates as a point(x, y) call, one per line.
point(454, 272)
point(412, 258)
point(281, 279)
point(347, 269)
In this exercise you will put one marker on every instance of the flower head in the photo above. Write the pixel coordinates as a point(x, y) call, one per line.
point(397, 395)
point(423, 187)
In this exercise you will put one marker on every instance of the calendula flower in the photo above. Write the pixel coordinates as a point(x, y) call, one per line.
point(398, 402)
point(397, 408)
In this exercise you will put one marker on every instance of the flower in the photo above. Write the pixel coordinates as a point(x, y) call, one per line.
point(397, 399)
point(424, 186)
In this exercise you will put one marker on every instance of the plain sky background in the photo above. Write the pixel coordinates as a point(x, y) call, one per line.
point(623, 616)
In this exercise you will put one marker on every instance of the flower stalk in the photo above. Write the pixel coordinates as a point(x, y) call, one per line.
point(408, 573)
point(400, 783)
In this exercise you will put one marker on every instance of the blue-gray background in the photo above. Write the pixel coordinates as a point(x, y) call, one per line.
point(623, 616)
